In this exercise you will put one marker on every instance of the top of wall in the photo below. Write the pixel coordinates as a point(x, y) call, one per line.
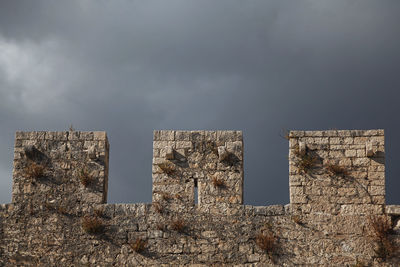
point(65, 135)
point(341, 133)
point(196, 157)
point(199, 135)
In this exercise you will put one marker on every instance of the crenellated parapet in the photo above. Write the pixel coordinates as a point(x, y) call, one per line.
point(337, 214)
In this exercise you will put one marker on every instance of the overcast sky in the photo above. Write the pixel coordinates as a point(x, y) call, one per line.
point(128, 67)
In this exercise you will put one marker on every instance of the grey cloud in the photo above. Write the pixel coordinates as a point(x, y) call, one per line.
point(129, 67)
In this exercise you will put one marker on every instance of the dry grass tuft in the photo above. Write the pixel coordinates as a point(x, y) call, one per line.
point(166, 196)
point(85, 178)
point(381, 226)
point(381, 229)
point(218, 183)
point(297, 219)
point(158, 207)
point(285, 134)
point(178, 225)
point(92, 225)
point(167, 167)
point(34, 171)
point(336, 170)
point(359, 264)
point(267, 242)
point(305, 162)
point(139, 245)
point(62, 210)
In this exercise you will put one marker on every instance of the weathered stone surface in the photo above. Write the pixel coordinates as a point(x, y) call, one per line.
point(222, 153)
point(393, 209)
point(302, 148)
point(336, 187)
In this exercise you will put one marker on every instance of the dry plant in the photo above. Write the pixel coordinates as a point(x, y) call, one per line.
point(381, 229)
point(62, 210)
point(158, 207)
point(297, 219)
point(218, 183)
point(139, 245)
point(336, 170)
point(285, 134)
point(381, 226)
point(85, 178)
point(92, 225)
point(305, 162)
point(178, 225)
point(386, 249)
point(167, 167)
point(34, 171)
point(99, 212)
point(359, 264)
point(166, 196)
point(267, 242)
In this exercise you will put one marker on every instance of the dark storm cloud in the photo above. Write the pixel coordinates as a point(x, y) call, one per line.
point(129, 67)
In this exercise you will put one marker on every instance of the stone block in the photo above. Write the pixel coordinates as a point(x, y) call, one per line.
point(336, 154)
point(253, 258)
point(226, 136)
point(330, 133)
point(302, 148)
point(350, 153)
point(392, 209)
point(344, 133)
point(223, 153)
point(168, 152)
point(296, 134)
point(376, 175)
point(275, 210)
point(361, 153)
point(361, 162)
point(366, 209)
point(99, 136)
point(376, 190)
point(298, 199)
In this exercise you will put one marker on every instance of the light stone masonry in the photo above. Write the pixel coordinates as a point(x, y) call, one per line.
point(59, 214)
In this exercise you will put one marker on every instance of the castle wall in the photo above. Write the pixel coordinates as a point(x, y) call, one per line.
point(59, 216)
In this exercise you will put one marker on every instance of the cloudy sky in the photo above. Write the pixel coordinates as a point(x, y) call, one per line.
point(128, 67)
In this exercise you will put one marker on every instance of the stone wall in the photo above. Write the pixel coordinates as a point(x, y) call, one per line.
point(336, 217)
point(211, 161)
point(346, 173)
